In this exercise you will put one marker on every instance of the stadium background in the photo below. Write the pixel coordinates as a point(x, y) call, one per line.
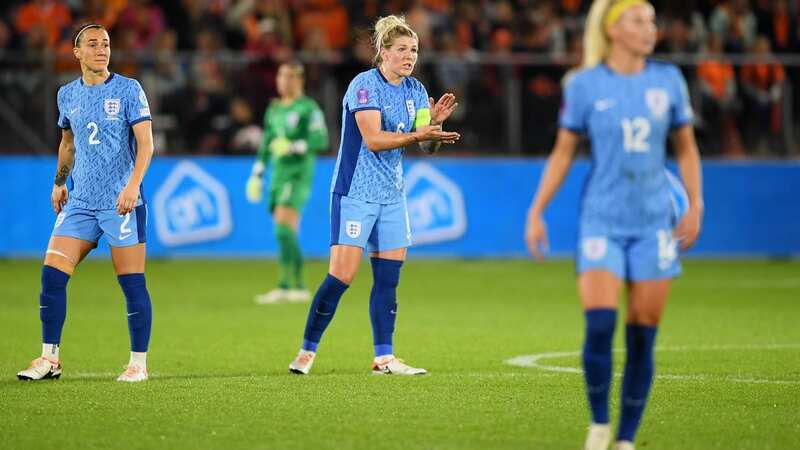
point(730, 342)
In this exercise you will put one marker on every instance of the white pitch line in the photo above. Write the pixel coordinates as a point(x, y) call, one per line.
point(533, 361)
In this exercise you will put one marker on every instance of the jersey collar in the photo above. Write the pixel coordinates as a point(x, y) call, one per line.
point(110, 76)
point(383, 78)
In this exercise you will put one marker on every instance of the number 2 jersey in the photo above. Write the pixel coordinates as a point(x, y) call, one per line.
point(627, 119)
point(101, 118)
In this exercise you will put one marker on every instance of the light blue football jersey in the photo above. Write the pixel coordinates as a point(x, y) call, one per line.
point(375, 177)
point(628, 119)
point(101, 117)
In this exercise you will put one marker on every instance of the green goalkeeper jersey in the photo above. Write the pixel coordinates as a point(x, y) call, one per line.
point(293, 134)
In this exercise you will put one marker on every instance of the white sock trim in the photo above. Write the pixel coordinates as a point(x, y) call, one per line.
point(138, 359)
point(50, 351)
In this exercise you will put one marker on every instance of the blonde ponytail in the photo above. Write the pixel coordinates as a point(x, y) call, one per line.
point(595, 40)
point(387, 29)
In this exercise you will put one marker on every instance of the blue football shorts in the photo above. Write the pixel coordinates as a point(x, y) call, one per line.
point(373, 226)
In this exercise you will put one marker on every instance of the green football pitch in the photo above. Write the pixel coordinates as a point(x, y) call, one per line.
point(728, 361)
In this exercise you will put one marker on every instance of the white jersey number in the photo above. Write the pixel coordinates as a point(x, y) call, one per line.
point(636, 132)
point(93, 137)
point(124, 229)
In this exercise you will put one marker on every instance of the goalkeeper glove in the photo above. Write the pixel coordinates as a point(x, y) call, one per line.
point(254, 188)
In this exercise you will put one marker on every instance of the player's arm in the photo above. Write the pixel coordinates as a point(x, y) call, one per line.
point(143, 133)
point(369, 124)
point(317, 131)
point(255, 182)
point(66, 160)
point(264, 154)
point(435, 115)
point(556, 169)
point(688, 158)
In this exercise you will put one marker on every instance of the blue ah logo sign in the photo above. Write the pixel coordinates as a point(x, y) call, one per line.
point(191, 206)
point(435, 205)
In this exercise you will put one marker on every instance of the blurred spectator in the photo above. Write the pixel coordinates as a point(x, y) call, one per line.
point(259, 18)
point(43, 22)
point(467, 25)
point(6, 36)
point(546, 32)
point(677, 39)
point(453, 73)
point(188, 16)
point(242, 134)
point(144, 19)
point(104, 12)
point(501, 16)
point(777, 22)
point(762, 86)
point(167, 76)
point(125, 44)
point(326, 15)
point(420, 20)
point(719, 105)
point(356, 58)
point(735, 24)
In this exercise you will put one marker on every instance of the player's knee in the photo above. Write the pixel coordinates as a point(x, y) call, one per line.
point(60, 260)
point(344, 275)
point(344, 272)
point(645, 318)
point(386, 272)
point(600, 323)
point(283, 231)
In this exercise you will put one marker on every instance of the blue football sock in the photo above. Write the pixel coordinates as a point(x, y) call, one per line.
point(383, 303)
point(597, 361)
point(53, 304)
point(322, 309)
point(639, 368)
point(140, 312)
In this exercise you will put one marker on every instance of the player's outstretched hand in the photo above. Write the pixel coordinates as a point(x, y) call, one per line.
point(536, 236)
point(435, 133)
point(127, 199)
point(442, 109)
point(59, 197)
point(688, 228)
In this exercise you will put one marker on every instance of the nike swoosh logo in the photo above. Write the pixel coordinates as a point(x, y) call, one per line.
point(322, 313)
point(124, 236)
point(392, 312)
point(42, 307)
point(602, 105)
point(133, 313)
point(74, 110)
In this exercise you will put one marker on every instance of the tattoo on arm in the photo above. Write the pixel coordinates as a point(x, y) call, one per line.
point(61, 176)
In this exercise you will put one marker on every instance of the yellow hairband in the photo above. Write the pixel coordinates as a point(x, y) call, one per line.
point(620, 7)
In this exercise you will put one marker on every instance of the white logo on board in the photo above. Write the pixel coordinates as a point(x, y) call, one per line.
point(192, 206)
point(435, 205)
